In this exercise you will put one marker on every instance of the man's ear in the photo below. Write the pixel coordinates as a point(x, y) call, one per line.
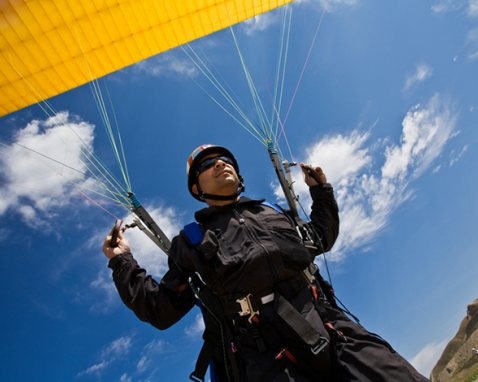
point(196, 190)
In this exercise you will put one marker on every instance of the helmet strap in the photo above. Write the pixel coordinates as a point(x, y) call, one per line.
point(233, 197)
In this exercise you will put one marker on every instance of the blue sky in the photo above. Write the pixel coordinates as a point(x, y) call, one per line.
point(387, 106)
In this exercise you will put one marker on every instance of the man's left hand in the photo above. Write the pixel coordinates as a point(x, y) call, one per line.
point(122, 245)
point(313, 175)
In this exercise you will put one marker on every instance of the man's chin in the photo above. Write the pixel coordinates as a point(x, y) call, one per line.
point(228, 189)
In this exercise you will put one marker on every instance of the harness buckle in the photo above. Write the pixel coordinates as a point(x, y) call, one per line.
point(317, 348)
point(246, 308)
point(309, 273)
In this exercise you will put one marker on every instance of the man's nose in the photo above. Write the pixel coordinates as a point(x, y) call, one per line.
point(219, 163)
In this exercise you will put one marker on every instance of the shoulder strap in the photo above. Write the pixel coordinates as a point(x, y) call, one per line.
point(274, 206)
point(194, 233)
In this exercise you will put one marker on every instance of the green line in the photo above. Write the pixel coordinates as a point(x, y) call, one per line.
point(106, 176)
point(255, 96)
point(216, 83)
point(99, 100)
point(279, 63)
point(257, 136)
point(283, 73)
point(205, 70)
point(120, 140)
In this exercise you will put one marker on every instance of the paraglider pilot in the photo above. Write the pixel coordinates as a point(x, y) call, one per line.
point(268, 313)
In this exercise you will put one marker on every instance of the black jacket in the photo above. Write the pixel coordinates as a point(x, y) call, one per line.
point(247, 248)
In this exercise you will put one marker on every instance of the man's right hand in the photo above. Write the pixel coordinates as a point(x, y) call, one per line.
point(122, 245)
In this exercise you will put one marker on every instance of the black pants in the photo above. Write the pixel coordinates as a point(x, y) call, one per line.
point(364, 356)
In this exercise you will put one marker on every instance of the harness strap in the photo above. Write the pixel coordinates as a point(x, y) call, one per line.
point(300, 325)
point(203, 361)
point(214, 308)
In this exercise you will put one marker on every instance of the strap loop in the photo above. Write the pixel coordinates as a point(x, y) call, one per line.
point(300, 325)
point(193, 377)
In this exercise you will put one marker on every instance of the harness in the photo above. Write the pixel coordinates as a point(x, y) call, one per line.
point(219, 314)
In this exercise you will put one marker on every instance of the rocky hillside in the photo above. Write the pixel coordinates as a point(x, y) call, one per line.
point(459, 361)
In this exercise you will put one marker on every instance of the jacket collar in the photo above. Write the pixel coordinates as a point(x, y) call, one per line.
point(206, 213)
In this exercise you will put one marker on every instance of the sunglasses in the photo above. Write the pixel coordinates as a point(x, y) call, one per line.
point(206, 164)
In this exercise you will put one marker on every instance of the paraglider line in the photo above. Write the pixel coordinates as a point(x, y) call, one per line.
point(305, 65)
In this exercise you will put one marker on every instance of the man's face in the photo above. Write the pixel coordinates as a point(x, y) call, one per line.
point(218, 179)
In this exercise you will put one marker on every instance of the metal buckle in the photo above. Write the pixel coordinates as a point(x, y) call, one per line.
point(309, 273)
point(246, 307)
point(316, 349)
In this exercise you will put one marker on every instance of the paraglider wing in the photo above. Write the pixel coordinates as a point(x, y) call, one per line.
point(48, 47)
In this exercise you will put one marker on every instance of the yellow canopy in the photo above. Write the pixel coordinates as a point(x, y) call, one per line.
point(50, 46)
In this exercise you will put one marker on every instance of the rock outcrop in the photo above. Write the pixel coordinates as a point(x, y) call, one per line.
point(459, 361)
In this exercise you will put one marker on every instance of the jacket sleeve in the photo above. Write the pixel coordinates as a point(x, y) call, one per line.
point(161, 304)
point(325, 214)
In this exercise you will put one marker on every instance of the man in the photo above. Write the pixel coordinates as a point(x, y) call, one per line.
point(269, 316)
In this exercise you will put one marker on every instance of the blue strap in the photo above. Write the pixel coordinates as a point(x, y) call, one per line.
point(194, 233)
point(274, 206)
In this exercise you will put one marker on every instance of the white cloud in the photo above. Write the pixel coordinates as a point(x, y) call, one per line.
point(422, 72)
point(196, 328)
point(425, 359)
point(167, 64)
point(436, 169)
point(425, 131)
point(263, 21)
point(456, 156)
point(445, 6)
point(472, 8)
point(94, 369)
point(342, 157)
point(260, 23)
point(4, 234)
point(155, 347)
point(33, 185)
point(125, 378)
point(329, 5)
point(472, 44)
point(110, 353)
point(143, 364)
point(104, 286)
point(330, 153)
point(149, 354)
point(338, 3)
point(117, 348)
point(366, 197)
